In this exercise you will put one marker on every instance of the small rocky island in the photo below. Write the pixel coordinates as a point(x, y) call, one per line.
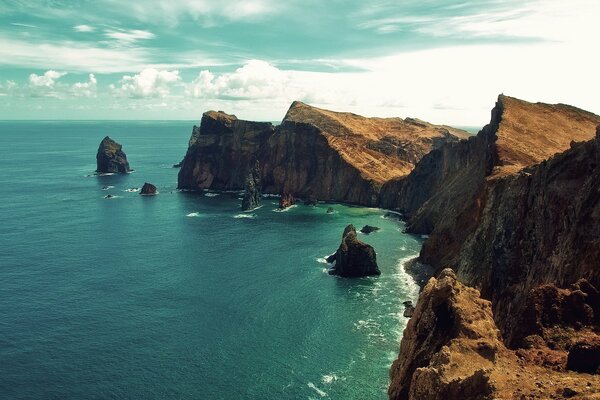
point(353, 258)
point(111, 158)
point(148, 190)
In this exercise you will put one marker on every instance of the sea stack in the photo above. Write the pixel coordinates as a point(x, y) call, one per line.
point(286, 200)
point(353, 258)
point(252, 192)
point(111, 158)
point(148, 189)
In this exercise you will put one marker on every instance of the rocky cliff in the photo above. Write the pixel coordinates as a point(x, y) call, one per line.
point(110, 157)
point(314, 153)
point(515, 211)
point(451, 349)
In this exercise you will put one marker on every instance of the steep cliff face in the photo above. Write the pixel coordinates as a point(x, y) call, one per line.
point(539, 226)
point(221, 152)
point(314, 153)
point(452, 349)
point(445, 194)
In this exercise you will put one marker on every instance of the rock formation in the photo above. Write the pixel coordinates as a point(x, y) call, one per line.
point(285, 201)
point(451, 349)
point(148, 189)
point(516, 212)
point(353, 258)
point(505, 223)
point(369, 229)
point(252, 191)
point(313, 153)
point(111, 158)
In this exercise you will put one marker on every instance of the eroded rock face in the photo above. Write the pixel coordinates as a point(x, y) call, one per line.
point(504, 222)
point(111, 158)
point(148, 189)
point(353, 258)
point(313, 153)
point(452, 349)
point(252, 191)
point(448, 346)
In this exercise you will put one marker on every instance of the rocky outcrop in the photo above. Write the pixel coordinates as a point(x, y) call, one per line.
point(369, 229)
point(148, 189)
point(252, 191)
point(286, 200)
point(313, 153)
point(353, 258)
point(452, 349)
point(110, 158)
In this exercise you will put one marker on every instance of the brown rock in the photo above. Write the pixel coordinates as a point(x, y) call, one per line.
point(314, 152)
point(285, 201)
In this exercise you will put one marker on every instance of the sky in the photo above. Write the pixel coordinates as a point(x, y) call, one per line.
point(444, 61)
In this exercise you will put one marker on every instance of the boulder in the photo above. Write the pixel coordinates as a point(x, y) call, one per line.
point(111, 158)
point(369, 229)
point(354, 258)
point(148, 189)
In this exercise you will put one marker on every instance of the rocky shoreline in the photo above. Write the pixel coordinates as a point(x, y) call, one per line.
point(513, 211)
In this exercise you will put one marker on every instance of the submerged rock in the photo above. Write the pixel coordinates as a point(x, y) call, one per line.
point(354, 258)
point(111, 158)
point(369, 229)
point(286, 200)
point(148, 189)
point(252, 193)
point(330, 210)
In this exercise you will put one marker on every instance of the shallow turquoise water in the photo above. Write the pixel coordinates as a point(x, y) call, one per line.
point(173, 297)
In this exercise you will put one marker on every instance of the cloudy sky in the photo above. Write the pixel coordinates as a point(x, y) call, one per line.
point(440, 60)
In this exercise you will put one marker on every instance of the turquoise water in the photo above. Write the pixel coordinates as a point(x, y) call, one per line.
point(173, 297)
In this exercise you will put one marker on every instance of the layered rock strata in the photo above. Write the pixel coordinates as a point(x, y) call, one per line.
point(314, 154)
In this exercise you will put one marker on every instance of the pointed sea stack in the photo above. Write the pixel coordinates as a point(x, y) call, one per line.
point(252, 192)
point(111, 158)
point(353, 258)
point(148, 189)
point(286, 200)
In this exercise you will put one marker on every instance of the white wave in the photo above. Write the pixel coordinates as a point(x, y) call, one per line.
point(111, 197)
point(132, 190)
point(244, 216)
point(424, 236)
point(316, 389)
point(106, 174)
point(285, 209)
point(194, 214)
point(108, 187)
point(211, 194)
point(329, 379)
point(323, 260)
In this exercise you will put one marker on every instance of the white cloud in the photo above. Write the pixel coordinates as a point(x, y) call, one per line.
point(47, 80)
point(255, 80)
point(128, 36)
point(149, 82)
point(85, 89)
point(84, 28)
point(209, 11)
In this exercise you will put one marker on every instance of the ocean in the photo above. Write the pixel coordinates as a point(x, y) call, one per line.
point(179, 295)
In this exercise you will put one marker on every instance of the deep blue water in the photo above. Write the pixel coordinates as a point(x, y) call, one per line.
point(173, 297)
